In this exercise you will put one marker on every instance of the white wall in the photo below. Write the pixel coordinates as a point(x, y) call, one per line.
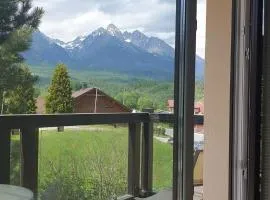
point(217, 95)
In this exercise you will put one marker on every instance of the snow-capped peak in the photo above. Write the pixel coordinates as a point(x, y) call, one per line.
point(99, 32)
point(113, 30)
point(150, 44)
point(82, 38)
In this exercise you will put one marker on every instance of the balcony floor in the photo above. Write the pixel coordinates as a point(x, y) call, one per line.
point(167, 195)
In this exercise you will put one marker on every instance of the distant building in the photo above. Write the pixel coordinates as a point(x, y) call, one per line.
point(198, 107)
point(93, 100)
point(198, 110)
point(170, 105)
point(90, 100)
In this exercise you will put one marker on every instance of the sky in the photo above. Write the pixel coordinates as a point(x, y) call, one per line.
point(67, 19)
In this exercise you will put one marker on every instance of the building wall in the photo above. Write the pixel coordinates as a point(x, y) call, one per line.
point(217, 97)
point(86, 104)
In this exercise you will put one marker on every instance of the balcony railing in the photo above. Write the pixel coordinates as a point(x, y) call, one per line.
point(140, 144)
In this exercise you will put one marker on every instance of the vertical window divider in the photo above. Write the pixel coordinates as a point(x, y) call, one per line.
point(185, 50)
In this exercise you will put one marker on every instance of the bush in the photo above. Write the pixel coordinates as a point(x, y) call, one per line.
point(159, 130)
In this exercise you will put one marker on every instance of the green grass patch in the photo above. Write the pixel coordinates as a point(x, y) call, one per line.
point(89, 163)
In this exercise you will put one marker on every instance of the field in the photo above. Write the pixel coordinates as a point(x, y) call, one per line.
point(89, 163)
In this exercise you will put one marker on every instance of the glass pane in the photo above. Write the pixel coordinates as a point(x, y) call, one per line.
point(89, 57)
point(163, 156)
point(199, 101)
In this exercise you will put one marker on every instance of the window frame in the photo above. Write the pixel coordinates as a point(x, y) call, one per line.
point(184, 89)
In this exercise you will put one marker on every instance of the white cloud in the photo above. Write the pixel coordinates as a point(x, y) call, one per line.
point(66, 19)
point(70, 28)
point(201, 28)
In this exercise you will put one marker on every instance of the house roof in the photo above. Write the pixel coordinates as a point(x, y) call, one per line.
point(84, 91)
point(81, 92)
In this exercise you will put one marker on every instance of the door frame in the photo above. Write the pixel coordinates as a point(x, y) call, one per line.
point(185, 50)
point(246, 100)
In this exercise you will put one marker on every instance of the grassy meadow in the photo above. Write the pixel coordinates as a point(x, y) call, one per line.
point(89, 163)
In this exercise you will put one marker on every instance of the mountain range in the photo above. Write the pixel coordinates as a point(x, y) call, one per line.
point(111, 50)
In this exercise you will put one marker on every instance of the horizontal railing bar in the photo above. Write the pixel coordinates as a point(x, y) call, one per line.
point(40, 121)
point(199, 119)
point(169, 118)
point(166, 118)
point(54, 120)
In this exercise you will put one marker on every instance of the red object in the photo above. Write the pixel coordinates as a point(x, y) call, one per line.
point(198, 107)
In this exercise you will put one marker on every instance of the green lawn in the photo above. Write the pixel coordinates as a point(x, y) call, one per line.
point(89, 164)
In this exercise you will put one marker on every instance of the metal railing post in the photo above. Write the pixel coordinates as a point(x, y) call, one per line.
point(134, 159)
point(147, 158)
point(29, 159)
point(5, 155)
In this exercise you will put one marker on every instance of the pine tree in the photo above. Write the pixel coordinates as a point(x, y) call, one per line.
point(18, 20)
point(22, 100)
point(59, 99)
point(15, 14)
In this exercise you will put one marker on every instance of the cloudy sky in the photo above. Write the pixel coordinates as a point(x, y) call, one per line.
point(67, 19)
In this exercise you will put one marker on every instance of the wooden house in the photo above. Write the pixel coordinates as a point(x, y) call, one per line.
point(90, 100)
point(93, 100)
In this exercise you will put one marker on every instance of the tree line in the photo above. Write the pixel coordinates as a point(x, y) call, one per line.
point(139, 93)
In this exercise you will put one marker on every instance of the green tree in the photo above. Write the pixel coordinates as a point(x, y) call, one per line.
point(75, 85)
point(145, 102)
point(15, 14)
point(21, 100)
point(199, 90)
point(129, 99)
point(59, 99)
point(18, 20)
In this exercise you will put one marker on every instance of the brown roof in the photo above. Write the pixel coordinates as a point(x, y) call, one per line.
point(86, 90)
point(81, 92)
